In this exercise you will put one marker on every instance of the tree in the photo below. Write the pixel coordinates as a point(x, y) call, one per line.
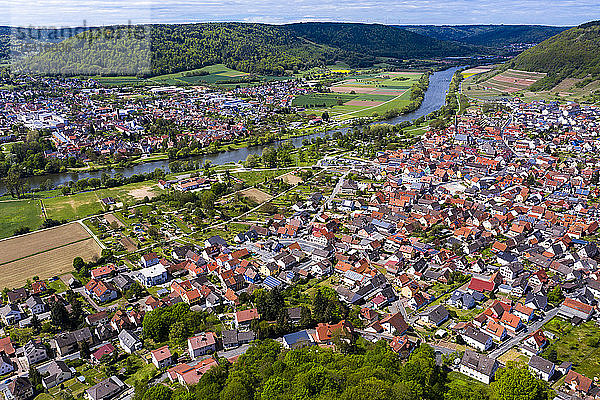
point(556, 295)
point(135, 291)
point(517, 383)
point(208, 198)
point(36, 325)
point(34, 376)
point(78, 263)
point(158, 392)
point(59, 315)
point(84, 350)
point(236, 390)
point(325, 116)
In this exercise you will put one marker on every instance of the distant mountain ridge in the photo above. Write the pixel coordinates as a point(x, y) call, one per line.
point(487, 35)
point(574, 53)
point(258, 48)
point(268, 49)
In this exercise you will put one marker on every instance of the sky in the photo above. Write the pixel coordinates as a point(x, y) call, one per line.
point(69, 13)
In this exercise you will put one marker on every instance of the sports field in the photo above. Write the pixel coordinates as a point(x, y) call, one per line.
point(44, 253)
point(362, 95)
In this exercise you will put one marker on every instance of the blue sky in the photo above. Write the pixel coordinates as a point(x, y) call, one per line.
point(59, 13)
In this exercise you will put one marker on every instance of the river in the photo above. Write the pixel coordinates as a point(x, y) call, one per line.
point(435, 98)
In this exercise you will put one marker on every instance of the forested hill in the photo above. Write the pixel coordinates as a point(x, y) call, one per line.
point(574, 53)
point(266, 49)
point(377, 40)
point(488, 35)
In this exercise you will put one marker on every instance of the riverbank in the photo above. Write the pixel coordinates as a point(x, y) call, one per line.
point(434, 99)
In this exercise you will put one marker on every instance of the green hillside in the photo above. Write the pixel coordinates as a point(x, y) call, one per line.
point(377, 40)
point(253, 48)
point(574, 53)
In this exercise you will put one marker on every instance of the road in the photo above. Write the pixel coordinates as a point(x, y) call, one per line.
point(510, 343)
point(327, 202)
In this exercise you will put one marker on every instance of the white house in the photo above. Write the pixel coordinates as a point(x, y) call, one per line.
point(477, 339)
point(152, 276)
point(478, 366)
point(202, 344)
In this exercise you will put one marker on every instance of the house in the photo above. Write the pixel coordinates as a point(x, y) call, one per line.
point(511, 322)
point(129, 341)
point(103, 272)
point(324, 332)
point(478, 366)
point(477, 339)
point(99, 318)
point(35, 352)
point(57, 372)
point(35, 305)
point(70, 342)
point(17, 295)
point(105, 390)
point(19, 389)
point(460, 299)
point(11, 314)
point(297, 340)
point(7, 347)
point(6, 364)
point(510, 271)
point(525, 313)
point(101, 291)
point(570, 309)
point(435, 315)
point(103, 351)
point(233, 338)
point(496, 330)
point(402, 346)
point(38, 287)
point(153, 275)
point(161, 358)
point(244, 318)
point(148, 260)
point(202, 344)
point(535, 343)
point(577, 382)
point(394, 324)
point(541, 367)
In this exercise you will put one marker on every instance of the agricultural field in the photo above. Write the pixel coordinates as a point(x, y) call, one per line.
point(362, 95)
point(256, 195)
point(476, 71)
point(45, 253)
point(506, 83)
point(19, 213)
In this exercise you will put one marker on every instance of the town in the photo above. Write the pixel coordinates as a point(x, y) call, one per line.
point(478, 240)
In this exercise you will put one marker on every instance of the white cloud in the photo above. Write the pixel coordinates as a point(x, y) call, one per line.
point(97, 12)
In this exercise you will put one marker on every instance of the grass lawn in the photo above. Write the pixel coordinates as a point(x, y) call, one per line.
point(577, 344)
point(58, 285)
point(81, 205)
point(43, 396)
point(462, 380)
point(19, 213)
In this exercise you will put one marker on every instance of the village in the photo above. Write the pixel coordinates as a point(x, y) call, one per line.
point(95, 125)
point(479, 240)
